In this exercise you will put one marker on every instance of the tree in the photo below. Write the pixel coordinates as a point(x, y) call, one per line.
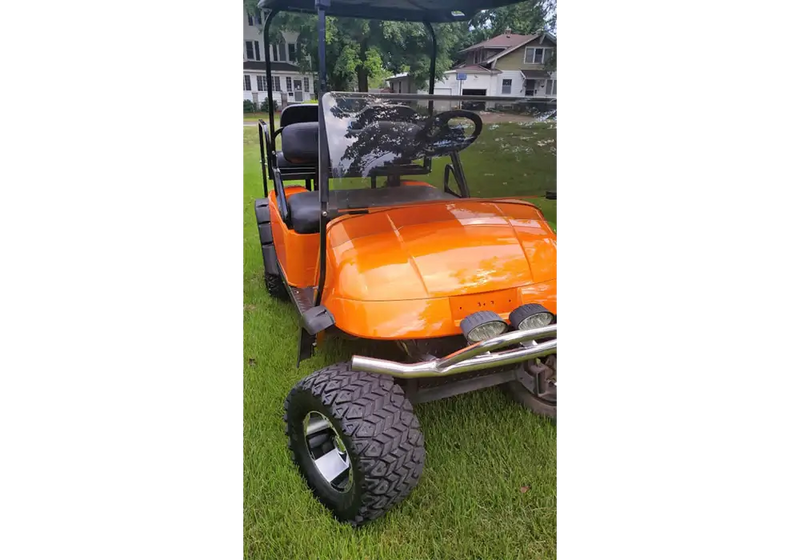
point(361, 50)
point(524, 18)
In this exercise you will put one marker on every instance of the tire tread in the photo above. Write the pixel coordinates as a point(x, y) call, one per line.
point(380, 423)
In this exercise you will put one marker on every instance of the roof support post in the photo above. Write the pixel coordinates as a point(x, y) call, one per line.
point(323, 163)
point(267, 23)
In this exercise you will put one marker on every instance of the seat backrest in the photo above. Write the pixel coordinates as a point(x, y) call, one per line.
point(299, 113)
point(300, 142)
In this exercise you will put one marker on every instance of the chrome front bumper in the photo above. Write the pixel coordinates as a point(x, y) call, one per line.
point(490, 353)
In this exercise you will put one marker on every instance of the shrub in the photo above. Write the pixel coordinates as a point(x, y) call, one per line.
point(265, 106)
point(249, 107)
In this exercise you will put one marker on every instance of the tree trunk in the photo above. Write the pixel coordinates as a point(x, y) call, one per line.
point(363, 79)
point(361, 71)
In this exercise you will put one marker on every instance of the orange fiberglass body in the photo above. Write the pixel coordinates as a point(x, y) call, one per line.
point(416, 271)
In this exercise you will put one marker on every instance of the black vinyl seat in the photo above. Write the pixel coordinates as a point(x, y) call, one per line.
point(299, 112)
point(304, 208)
point(300, 143)
point(286, 165)
point(299, 122)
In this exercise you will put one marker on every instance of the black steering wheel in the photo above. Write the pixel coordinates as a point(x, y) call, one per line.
point(437, 137)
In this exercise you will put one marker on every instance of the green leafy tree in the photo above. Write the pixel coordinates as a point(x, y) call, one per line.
point(361, 53)
point(525, 18)
point(360, 50)
point(378, 80)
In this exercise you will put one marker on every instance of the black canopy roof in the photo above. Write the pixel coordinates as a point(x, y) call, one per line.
point(408, 10)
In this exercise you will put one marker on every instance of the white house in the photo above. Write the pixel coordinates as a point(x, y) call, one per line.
point(507, 65)
point(289, 85)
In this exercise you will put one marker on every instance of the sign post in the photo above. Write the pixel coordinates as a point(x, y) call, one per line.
point(460, 76)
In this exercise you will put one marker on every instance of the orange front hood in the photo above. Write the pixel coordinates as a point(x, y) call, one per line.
point(439, 250)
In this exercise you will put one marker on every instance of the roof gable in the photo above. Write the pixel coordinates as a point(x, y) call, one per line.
point(503, 41)
point(472, 68)
point(535, 39)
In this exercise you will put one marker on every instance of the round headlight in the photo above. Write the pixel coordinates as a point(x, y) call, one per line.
point(483, 325)
point(530, 316)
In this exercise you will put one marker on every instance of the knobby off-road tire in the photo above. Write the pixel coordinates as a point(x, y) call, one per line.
point(272, 277)
point(531, 401)
point(275, 286)
point(520, 393)
point(378, 429)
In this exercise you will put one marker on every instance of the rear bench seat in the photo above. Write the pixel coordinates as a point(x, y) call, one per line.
point(290, 116)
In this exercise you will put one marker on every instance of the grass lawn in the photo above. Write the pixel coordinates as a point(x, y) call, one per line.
point(253, 117)
point(513, 160)
point(489, 486)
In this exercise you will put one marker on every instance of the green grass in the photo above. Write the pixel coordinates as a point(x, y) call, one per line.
point(514, 160)
point(252, 117)
point(483, 450)
point(508, 160)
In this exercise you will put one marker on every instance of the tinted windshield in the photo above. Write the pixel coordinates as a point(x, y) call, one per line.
point(497, 146)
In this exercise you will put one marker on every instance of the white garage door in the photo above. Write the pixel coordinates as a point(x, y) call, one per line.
point(442, 105)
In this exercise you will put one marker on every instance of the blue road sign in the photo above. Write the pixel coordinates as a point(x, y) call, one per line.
point(460, 76)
